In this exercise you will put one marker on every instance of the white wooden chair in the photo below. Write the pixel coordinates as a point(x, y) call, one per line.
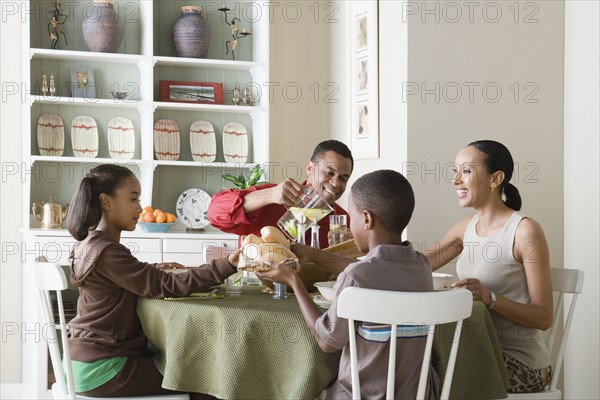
point(563, 281)
point(51, 277)
point(397, 308)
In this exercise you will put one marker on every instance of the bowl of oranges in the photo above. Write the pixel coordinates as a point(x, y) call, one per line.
point(156, 221)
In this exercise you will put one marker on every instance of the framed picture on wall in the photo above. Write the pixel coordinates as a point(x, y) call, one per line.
point(364, 79)
point(82, 82)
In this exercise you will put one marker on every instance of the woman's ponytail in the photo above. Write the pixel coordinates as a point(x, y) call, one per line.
point(513, 198)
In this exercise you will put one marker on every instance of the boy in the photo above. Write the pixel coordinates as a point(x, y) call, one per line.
point(380, 206)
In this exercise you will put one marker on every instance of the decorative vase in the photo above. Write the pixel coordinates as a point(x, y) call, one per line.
point(191, 33)
point(102, 29)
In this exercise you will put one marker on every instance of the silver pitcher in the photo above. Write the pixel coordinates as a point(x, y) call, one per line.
point(53, 214)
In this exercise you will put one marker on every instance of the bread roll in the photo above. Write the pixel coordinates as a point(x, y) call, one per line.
point(270, 234)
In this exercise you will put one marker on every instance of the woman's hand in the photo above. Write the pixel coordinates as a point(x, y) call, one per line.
point(171, 265)
point(479, 291)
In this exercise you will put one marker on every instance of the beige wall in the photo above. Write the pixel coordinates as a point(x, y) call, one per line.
point(299, 63)
point(493, 58)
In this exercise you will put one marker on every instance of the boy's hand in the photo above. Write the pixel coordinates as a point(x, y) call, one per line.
point(279, 272)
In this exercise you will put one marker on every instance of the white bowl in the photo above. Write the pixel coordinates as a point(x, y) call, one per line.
point(441, 281)
point(326, 289)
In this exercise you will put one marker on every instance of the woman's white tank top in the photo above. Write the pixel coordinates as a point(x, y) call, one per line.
point(490, 259)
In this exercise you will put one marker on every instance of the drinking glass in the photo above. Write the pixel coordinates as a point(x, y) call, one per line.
point(234, 283)
point(338, 229)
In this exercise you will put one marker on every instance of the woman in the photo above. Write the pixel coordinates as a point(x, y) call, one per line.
point(504, 261)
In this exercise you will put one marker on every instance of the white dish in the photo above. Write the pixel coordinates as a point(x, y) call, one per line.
point(192, 207)
point(84, 136)
point(51, 135)
point(326, 289)
point(321, 301)
point(235, 143)
point(441, 281)
point(121, 138)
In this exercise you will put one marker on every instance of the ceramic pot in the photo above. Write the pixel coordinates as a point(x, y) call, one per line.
point(191, 33)
point(102, 29)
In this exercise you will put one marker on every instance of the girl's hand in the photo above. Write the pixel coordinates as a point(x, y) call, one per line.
point(279, 272)
point(234, 258)
point(479, 291)
point(171, 265)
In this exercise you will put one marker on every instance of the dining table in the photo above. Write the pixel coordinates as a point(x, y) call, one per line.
point(252, 346)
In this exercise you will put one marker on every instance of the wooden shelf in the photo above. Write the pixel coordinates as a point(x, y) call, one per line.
point(68, 55)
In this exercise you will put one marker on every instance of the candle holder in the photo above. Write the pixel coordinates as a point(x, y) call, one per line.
point(236, 34)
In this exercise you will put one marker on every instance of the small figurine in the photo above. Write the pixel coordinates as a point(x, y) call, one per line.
point(44, 88)
point(236, 97)
point(248, 96)
point(54, 25)
point(52, 88)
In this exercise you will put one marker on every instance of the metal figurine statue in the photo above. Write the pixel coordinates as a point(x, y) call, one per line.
point(54, 30)
point(235, 34)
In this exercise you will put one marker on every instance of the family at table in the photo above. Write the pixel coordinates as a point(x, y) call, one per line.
point(109, 347)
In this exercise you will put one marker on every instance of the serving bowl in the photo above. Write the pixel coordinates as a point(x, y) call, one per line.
point(326, 289)
point(153, 227)
point(441, 281)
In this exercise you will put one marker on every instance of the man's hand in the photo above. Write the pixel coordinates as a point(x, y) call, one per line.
point(286, 193)
point(234, 258)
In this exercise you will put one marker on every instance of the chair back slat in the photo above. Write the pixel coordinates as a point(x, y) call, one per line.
point(404, 308)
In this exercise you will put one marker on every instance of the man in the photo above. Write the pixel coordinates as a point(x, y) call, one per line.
point(246, 211)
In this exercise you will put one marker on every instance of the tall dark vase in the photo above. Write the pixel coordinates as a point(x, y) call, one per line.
point(102, 29)
point(191, 33)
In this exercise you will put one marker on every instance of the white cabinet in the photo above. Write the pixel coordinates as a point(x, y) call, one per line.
point(145, 57)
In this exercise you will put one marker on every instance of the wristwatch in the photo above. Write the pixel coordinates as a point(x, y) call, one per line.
point(492, 300)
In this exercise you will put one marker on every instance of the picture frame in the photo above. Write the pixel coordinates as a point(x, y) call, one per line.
point(82, 82)
point(364, 79)
point(191, 92)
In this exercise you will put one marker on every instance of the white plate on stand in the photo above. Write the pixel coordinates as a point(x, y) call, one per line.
point(192, 208)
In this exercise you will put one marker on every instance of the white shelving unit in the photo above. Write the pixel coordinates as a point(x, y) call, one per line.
point(146, 56)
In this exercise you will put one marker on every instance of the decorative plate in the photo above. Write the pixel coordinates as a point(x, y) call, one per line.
point(84, 136)
point(192, 208)
point(121, 138)
point(235, 142)
point(203, 142)
point(166, 140)
point(51, 135)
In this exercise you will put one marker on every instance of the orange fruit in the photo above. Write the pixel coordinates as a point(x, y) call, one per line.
point(160, 217)
point(148, 209)
point(156, 211)
point(171, 218)
point(148, 217)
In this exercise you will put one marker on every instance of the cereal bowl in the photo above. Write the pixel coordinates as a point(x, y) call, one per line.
point(441, 281)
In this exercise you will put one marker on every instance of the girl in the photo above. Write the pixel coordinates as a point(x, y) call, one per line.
point(504, 261)
point(107, 345)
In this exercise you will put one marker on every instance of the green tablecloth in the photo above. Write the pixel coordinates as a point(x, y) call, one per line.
point(479, 372)
point(254, 347)
point(240, 347)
